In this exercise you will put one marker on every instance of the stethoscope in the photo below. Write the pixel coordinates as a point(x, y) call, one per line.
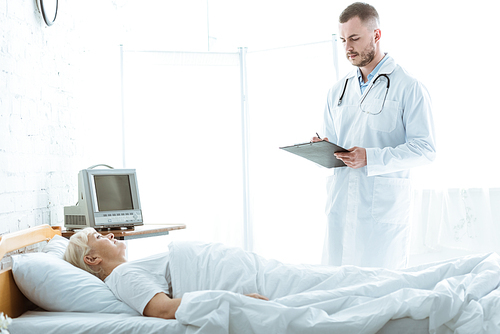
point(364, 97)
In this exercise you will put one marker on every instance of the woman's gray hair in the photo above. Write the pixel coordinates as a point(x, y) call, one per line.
point(78, 248)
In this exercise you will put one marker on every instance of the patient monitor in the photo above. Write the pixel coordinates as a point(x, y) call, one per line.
point(107, 198)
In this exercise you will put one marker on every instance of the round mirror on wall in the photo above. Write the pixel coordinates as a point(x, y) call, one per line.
point(48, 9)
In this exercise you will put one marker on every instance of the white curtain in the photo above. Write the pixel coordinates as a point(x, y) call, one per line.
point(454, 222)
point(182, 126)
point(287, 89)
point(456, 196)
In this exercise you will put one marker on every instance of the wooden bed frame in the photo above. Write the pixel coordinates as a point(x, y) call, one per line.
point(12, 302)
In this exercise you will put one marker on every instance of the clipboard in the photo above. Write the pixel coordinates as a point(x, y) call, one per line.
point(320, 152)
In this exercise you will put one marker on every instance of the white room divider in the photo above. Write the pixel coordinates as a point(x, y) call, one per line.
point(205, 141)
point(183, 133)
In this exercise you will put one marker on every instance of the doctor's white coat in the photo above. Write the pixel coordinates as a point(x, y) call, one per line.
point(368, 208)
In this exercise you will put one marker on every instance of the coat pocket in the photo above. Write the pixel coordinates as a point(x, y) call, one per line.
point(391, 200)
point(384, 118)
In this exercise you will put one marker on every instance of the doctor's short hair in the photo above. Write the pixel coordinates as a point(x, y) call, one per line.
point(366, 13)
point(77, 248)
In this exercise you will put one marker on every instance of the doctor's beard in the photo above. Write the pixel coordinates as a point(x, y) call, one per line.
point(366, 56)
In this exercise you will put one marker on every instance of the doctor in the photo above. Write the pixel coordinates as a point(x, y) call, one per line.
point(382, 115)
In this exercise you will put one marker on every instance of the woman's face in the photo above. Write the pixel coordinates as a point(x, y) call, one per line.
point(106, 246)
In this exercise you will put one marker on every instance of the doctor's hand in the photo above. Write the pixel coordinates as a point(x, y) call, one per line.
point(355, 158)
point(316, 139)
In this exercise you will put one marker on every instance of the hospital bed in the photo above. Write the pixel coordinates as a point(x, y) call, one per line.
point(79, 315)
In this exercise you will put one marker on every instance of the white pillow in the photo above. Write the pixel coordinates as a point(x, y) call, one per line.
point(56, 246)
point(56, 285)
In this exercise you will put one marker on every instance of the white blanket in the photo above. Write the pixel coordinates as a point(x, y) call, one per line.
point(458, 296)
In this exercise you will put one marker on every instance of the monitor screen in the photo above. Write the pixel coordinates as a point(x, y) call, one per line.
point(113, 192)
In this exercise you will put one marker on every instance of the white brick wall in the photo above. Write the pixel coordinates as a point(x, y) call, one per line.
point(45, 84)
point(35, 142)
point(60, 94)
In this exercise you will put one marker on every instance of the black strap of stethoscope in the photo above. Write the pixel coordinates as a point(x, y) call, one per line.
point(345, 86)
point(386, 76)
point(343, 92)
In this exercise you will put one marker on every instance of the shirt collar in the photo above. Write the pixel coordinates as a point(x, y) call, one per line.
point(373, 73)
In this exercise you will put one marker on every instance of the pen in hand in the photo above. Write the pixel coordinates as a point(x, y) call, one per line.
point(318, 139)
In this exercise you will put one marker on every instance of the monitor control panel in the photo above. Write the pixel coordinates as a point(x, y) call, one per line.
point(118, 218)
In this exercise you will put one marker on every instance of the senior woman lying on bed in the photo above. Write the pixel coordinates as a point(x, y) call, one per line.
point(460, 295)
point(144, 284)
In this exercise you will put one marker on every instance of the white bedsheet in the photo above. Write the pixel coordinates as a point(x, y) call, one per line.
point(459, 296)
point(35, 322)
